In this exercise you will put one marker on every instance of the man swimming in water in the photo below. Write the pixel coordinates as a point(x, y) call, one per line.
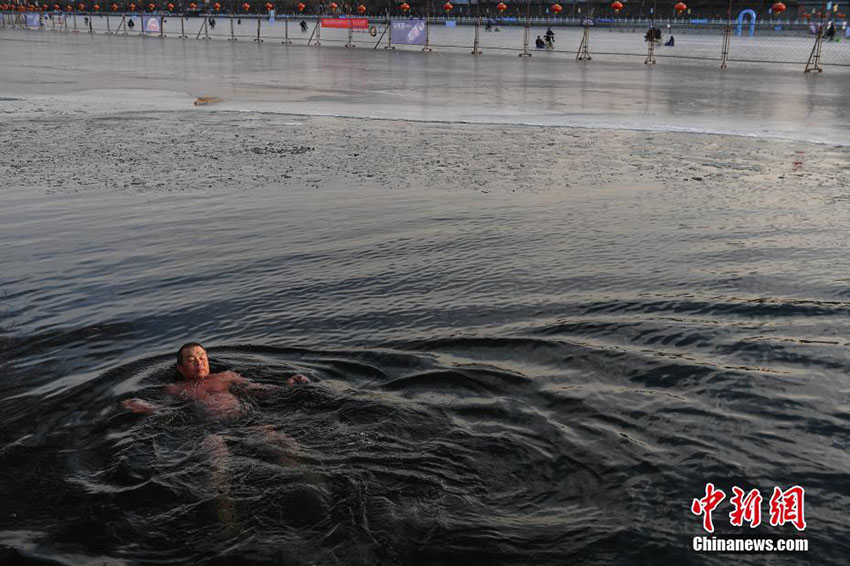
point(211, 392)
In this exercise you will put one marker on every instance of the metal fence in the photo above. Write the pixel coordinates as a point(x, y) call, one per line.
point(804, 43)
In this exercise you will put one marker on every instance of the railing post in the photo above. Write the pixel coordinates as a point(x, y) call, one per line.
point(583, 54)
point(814, 57)
point(476, 42)
point(286, 31)
point(727, 39)
point(389, 32)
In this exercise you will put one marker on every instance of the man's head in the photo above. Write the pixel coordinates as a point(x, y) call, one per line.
point(192, 361)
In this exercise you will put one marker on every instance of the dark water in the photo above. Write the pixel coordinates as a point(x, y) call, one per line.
point(497, 378)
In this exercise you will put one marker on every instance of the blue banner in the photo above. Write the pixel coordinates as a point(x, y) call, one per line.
point(410, 32)
point(33, 19)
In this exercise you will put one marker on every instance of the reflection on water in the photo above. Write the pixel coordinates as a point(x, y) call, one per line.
point(514, 379)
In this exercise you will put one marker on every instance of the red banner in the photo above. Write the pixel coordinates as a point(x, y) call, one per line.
point(345, 23)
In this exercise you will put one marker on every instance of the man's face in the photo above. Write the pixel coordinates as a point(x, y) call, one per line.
point(193, 363)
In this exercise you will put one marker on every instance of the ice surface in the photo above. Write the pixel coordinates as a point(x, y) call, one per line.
point(63, 72)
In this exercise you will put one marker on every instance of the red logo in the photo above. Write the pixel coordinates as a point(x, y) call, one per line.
point(785, 507)
point(747, 508)
point(707, 504)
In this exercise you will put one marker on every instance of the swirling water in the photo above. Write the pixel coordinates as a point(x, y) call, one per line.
point(496, 378)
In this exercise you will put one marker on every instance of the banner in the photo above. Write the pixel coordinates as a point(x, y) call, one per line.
point(410, 32)
point(33, 19)
point(345, 23)
point(152, 24)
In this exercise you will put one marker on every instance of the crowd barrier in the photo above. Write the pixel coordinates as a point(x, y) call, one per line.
point(811, 45)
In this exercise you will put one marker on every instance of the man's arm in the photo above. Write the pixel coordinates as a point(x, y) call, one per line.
point(254, 387)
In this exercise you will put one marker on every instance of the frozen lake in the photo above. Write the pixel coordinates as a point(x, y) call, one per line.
point(771, 101)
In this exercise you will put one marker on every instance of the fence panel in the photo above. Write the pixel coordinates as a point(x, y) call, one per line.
point(763, 41)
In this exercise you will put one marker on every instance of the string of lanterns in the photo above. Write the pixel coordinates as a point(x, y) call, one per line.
point(616, 6)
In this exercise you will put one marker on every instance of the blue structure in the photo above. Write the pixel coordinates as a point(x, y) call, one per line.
point(752, 15)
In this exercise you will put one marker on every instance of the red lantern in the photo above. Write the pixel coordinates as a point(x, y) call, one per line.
point(81, 7)
point(301, 6)
point(151, 7)
point(680, 7)
point(778, 8)
point(448, 6)
point(96, 8)
point(333, 6)
point(132, 7)
point(216, 6)
point(269, 6)
point(114, 7)
point(501, 6)
point(193, 6)
point(361, 9)
point(556, 9)
point(246, 6)
point(169, 7)
point(404, 6)
point(616, 5)
point(56, 7)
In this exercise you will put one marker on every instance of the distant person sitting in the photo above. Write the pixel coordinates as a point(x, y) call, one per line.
point(303, 26)
point(539, 42)
point(550, 35)
point(549, 41)
point(670, 42)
